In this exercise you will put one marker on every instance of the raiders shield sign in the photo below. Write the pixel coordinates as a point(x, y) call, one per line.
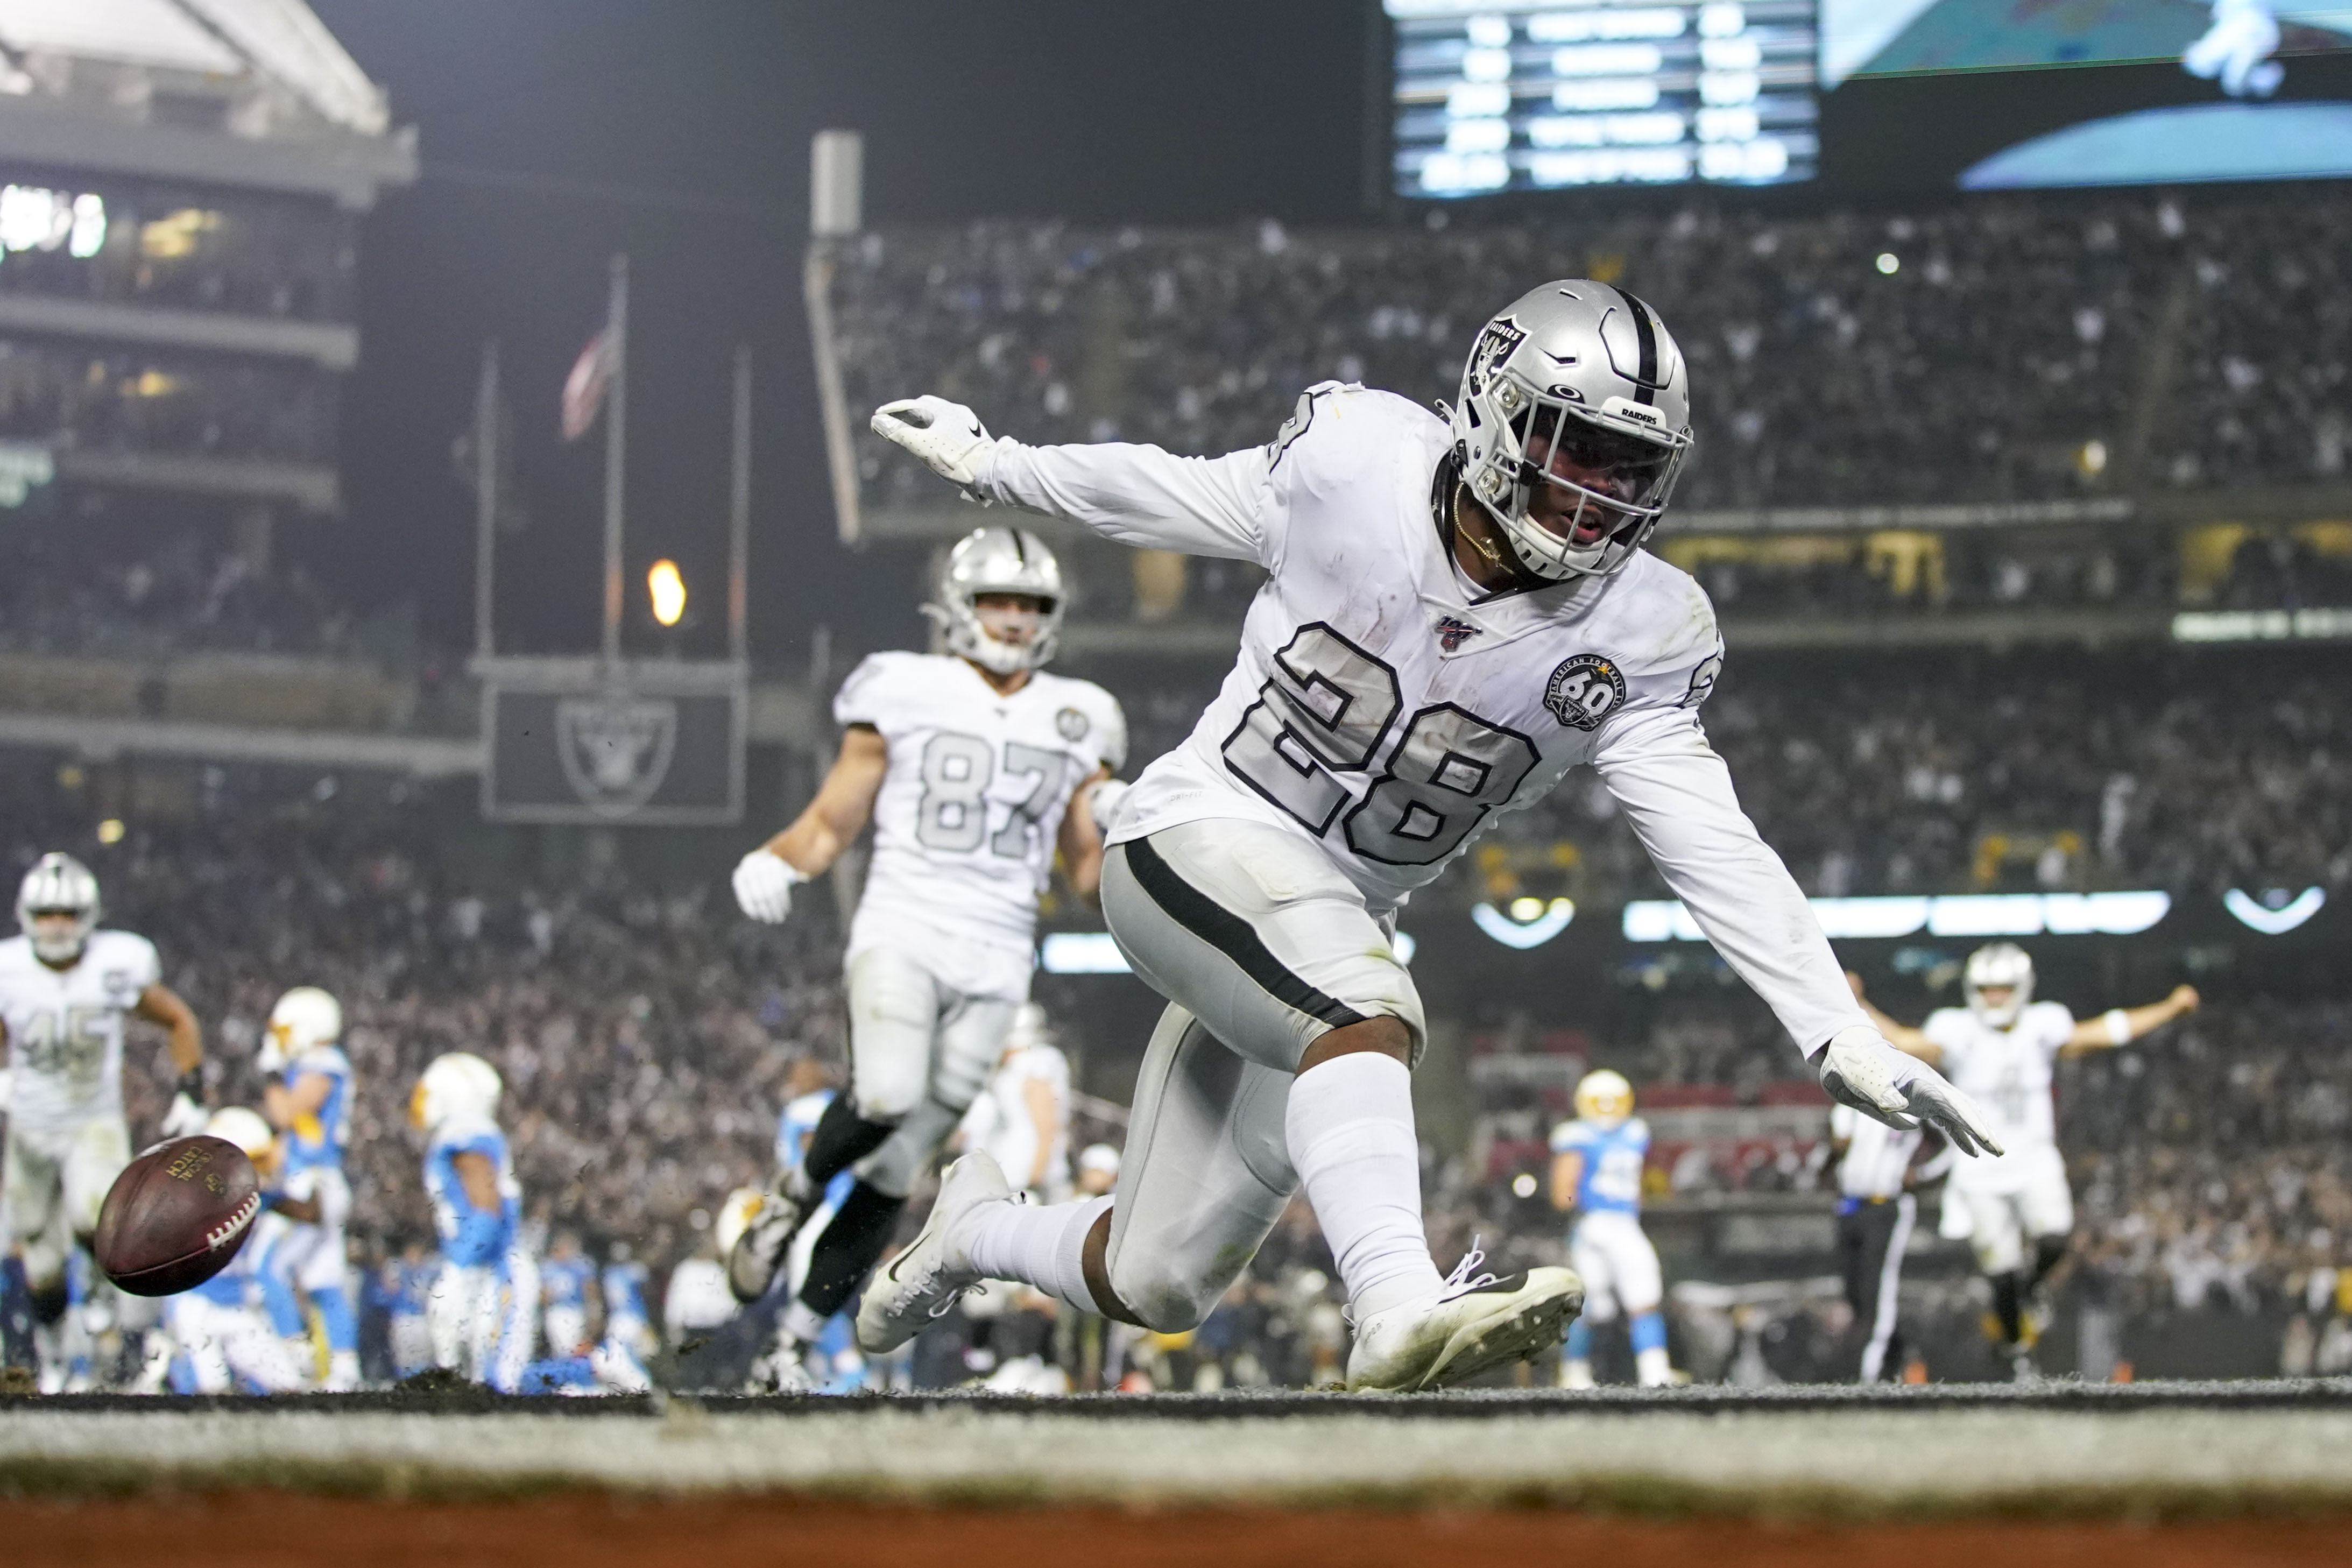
point(615, 750)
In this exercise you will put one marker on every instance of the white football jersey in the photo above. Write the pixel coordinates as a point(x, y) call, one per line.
point(2009, 1073)
point(1000, 1122)
point(966, 822)
point(1387, 708)
point(64, 1028)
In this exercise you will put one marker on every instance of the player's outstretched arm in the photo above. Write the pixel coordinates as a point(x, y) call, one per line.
point(843, 805)
point(1676, 795)
point(159, 1004)
point(1133, 494)
point(2122, 1026)
point(1902, 1036)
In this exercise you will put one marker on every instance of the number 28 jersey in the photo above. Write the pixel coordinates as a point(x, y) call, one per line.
point(64, 1028)
point(971, 803)
point(1380, 703)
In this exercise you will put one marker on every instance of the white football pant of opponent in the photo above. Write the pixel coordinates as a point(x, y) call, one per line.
point(1455, 616)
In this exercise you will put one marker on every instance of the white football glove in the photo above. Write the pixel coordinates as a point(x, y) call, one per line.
point(1103, 801)
point(1860, 1069)
point(187, 1117)
point(763, 885)
point(947, 436)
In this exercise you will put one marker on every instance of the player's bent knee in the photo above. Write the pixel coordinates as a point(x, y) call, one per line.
point(1164, 1299)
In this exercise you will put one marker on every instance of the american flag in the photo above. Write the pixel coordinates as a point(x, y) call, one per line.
point(583, 389)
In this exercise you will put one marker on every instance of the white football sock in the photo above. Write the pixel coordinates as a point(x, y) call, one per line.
point(1651, 1368)
point(1044, 1245)
point(1350, 1127)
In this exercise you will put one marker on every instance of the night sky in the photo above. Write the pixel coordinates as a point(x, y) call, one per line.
point(553, 132)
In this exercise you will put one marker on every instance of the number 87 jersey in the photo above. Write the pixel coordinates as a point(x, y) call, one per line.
point(973, 796)
point(1381, 702)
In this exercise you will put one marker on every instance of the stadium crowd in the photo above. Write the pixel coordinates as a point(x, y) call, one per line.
point(2004, 348)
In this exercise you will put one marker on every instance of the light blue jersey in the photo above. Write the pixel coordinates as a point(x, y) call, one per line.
point(564, 1282)
point(793, 1131)
point(322, 1138)
point(470, 1237)
point(1613, 1157)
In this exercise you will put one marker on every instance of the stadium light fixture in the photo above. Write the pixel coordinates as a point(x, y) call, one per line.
point(668, 590)
point(1889, 263)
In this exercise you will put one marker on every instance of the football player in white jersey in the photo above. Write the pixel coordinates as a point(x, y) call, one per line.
point(65, 986)
point(1457, 612)
point(975, 767)
point(1999, 1048)
point(1022, 1118)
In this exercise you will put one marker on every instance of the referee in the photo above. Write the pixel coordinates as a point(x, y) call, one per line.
point(1875, 1210)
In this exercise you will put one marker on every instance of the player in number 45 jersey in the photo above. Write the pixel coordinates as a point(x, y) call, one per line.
point(974, 766)
point(1456, 613)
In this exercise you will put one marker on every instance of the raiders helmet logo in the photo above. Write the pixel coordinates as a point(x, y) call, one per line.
point(1072, 725)
point(1584, 689)
point(1495, 345)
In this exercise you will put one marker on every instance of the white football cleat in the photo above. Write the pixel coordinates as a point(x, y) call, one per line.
point(923, 1282)
point(1470, 1324)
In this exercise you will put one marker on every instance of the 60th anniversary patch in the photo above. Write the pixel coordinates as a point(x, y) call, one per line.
point(1584, 690)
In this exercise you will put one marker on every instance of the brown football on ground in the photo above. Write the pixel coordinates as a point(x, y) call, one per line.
point(176, 1215)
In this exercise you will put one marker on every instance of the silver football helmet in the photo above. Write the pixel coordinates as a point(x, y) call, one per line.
point(1000, 560)
point(1577, 394)
point(1994, 966)
point(58, 885)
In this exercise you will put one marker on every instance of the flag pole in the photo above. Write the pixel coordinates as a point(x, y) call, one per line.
point(486, 499)
point(617, 418)
point(738, 515)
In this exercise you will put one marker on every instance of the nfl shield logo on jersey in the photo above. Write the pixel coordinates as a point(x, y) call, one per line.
point(1584, 689)
point(1453, 633)
point(615, 749)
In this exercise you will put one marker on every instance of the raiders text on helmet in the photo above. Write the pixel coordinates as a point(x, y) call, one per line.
point(1581, 376)
point(999, 561)
point(1997, 965)
point(58, 885)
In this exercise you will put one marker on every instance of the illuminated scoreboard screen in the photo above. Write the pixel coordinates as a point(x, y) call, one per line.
point(1572, 93)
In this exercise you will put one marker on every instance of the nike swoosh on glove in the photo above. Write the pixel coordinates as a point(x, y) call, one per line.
point(1860, 1069)
point(947, 436)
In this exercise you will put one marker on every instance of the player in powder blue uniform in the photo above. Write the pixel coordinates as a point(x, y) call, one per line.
point(565, 1276)
point(308, 1100)
point(1596, 1171)
point(484, 1309)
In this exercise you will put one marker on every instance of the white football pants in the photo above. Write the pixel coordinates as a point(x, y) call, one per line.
point(54, 1184)
point(1619, 1265)
point(228, 1346)
point(484, 1320)
point(919, 1053)
point(314, 1257)
point(2001, 1226)
point(1262, 947)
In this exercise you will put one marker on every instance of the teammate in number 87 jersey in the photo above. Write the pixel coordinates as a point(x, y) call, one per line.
point(1457, 611)
point(975, 767)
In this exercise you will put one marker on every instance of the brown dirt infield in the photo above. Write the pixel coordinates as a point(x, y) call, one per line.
point(258, 1529)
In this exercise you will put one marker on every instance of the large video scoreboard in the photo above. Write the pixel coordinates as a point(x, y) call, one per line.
point(1581, 92)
